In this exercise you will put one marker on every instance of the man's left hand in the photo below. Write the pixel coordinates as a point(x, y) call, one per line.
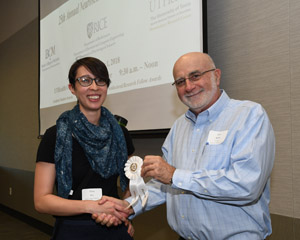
point(158, 168)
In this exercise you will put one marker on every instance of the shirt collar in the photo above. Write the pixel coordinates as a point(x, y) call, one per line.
point(212, 112)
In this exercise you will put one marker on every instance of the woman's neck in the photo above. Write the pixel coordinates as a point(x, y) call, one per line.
point(93, 116)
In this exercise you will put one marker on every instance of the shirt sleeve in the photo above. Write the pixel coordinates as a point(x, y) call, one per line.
point(243, 180)
point(46, 148)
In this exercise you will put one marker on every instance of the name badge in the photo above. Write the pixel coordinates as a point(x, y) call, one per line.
point(92, 194)
point(216, 137)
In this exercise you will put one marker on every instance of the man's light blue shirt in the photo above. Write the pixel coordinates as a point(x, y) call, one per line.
point(221, 187)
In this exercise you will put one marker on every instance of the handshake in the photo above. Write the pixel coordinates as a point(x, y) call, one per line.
point(114, 212)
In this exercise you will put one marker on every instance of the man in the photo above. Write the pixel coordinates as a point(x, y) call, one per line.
point(214, 175)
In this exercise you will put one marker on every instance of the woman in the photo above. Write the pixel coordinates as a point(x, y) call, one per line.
point(83, 154)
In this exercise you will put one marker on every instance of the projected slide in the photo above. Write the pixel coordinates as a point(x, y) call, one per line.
point(138, 40)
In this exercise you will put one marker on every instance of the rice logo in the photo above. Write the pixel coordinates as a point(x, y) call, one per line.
point(97, 26)
point(90, 29)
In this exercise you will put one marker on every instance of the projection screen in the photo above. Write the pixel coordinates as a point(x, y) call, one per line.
point(138, 40)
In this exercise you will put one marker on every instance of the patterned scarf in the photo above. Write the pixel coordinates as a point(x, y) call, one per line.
point(104, 147)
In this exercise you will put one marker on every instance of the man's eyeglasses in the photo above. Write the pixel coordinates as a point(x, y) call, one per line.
point(86, 81)
point(193, 78)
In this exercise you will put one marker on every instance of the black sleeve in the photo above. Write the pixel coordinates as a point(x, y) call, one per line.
point(129, 143)
point(46, 148)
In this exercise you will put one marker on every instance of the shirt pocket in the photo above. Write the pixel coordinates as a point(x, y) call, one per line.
point(214, 157)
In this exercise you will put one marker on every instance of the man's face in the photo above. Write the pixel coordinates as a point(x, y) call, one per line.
point(201, 94)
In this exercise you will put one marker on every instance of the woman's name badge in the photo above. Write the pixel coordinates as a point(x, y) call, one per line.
point(137, 185)
point(91, 194)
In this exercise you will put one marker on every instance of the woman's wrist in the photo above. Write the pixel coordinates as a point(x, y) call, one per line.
point(88, 206)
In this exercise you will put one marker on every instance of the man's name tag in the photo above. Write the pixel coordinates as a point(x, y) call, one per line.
point(216, 137)
point(91, 194)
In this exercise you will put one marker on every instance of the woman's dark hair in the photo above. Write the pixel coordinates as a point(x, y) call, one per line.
point(94, 65)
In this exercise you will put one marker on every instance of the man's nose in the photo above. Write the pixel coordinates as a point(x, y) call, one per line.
point(189, 85)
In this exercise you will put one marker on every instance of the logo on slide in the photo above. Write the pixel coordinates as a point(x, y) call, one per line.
point(49, 52)
point(96, 26)
point(89, 29)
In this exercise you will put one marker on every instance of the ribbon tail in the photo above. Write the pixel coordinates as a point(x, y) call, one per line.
point(134, 193)
point(144, 199)
point(132, 202)
point(143, 191)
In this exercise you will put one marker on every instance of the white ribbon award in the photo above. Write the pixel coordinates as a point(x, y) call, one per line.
point(137, 185)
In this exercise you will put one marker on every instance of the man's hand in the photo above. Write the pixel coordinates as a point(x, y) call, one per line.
point(130, 228)
point(158, 168)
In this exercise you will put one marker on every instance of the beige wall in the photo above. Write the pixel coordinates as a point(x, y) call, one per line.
point(255, 43)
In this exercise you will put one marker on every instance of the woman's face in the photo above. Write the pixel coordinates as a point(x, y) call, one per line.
point(89, 98)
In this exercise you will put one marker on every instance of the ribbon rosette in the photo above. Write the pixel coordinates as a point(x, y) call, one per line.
point(137, 185)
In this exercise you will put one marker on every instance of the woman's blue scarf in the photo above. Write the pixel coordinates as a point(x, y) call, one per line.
point(104, 147)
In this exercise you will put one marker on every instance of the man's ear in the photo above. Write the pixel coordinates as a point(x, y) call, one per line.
point(218, 76)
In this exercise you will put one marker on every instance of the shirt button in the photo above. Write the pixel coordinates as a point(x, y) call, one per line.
point(182, 216)
point(189, 238)
point(198, 129)
point(205, 191)
point(193, 150)
point(180, 184)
